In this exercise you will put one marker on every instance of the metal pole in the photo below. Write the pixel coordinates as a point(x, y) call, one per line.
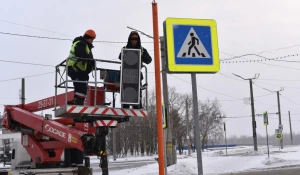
point(165, 151)
point(114, 132)
point(66, 96)
point(279, 114)
point(23, 93)
point(56, 68)
point(291, 128)
point(187, 128)
point(253, 117)
point(267, 140)
point(146, 75)
point(225, 137)
point(196, 122)
point(158, 90)
point(168, 141)
point(95, 93)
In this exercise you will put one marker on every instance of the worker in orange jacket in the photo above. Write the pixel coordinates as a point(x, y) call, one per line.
point(81, 63)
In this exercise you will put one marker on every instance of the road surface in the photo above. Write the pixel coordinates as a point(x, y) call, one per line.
point(119, 165)
point(288, 170)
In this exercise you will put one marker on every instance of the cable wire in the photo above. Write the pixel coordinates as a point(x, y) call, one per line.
point(290, 100)
point(231, 77)
point(35, 64)
point(264, 59)
point(275, 65)
point(261, 87)
point(204, 88)
point(278, 85)
point(274, 80)
point(62, 39)
point(26, 77)
point(23, 25)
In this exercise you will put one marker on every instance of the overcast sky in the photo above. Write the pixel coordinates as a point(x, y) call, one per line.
point(244, 27)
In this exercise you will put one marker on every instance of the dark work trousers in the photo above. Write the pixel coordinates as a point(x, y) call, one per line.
point(80, 89)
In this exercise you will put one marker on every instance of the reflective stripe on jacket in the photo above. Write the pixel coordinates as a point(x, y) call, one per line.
point(73, 60)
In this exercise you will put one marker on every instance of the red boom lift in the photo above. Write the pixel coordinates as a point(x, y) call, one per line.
point(83, 128)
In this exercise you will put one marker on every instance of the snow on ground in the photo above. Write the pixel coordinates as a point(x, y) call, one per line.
point(215, 161)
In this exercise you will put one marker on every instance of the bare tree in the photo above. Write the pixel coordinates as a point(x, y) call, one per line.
point(210, 121)
point(139, 135)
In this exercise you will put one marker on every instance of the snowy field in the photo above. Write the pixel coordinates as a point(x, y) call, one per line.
point(215, 161)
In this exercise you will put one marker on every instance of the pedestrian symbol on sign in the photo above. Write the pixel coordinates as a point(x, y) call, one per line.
point(192, 42)
point(192, 47)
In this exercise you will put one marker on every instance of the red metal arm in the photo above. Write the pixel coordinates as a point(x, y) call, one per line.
point(50, 128)
point(48, 103)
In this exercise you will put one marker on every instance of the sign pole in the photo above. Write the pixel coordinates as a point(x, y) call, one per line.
point(196, 124)
point(266, 122)
point(225, 137)
point(267, 140)
point(188, 41)
point(160, 136)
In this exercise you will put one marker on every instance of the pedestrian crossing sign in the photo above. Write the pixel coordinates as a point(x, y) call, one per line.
point(192, 45)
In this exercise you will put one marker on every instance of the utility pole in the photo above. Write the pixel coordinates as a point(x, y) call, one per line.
point(252, 110)
point(114, 132)
point(279, 115)
point(169, 147)
point(225, 137)
point(23, 93)
point(291, 128)
point(160, 135)
point(187, 127)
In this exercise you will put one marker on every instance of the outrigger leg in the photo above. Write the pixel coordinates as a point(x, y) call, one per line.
point(101, 148)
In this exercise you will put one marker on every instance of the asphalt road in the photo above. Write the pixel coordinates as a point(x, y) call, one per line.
point(288, 170)
point(113, 166)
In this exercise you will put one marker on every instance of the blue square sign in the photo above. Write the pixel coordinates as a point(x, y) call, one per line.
point(192, 44)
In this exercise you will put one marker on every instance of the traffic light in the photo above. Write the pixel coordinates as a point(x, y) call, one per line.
point(130, 76)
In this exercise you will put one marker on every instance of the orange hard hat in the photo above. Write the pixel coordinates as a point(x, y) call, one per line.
point(90, 33)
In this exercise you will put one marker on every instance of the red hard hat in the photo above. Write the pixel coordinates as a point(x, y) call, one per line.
point(91, 33)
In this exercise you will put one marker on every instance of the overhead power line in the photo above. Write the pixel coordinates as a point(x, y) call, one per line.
point(277, 85)
point(205, 88)
point(243, 99)
point(32, 36)
point(62, 39)
point(23, 25)
point(290, 100)
point(263, 103)
point(261, 87)
point(19, 62)
point(258, 53)
point(276, 50)
point(275, 80)
point(275, 65)
point(259, 60)
point(230, 77)
point(26, 77)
